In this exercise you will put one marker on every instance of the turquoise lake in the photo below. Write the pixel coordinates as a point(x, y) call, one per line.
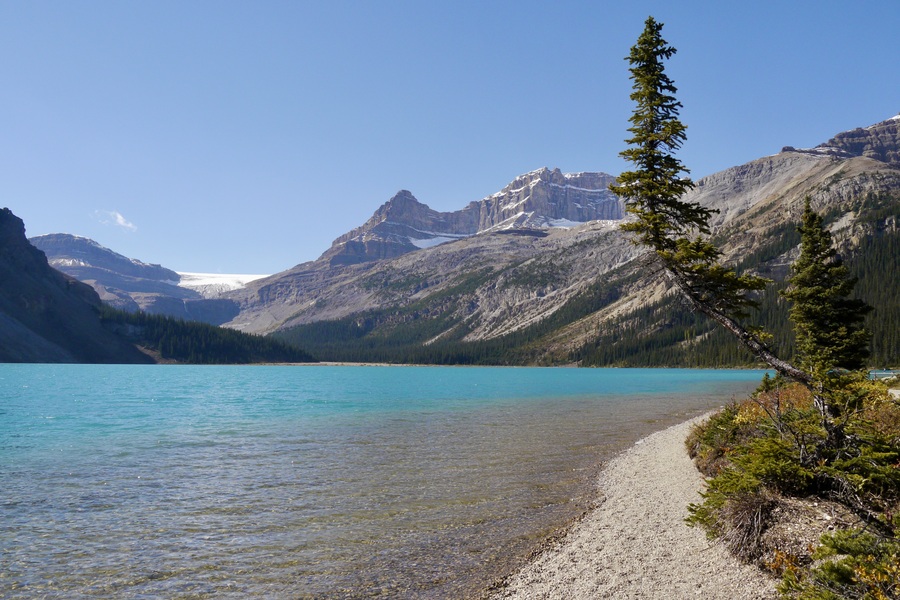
point(309, 481)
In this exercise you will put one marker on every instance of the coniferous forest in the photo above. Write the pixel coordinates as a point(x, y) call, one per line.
point(175, 340)
point(664, 333)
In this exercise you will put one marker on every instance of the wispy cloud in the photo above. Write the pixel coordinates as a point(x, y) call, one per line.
point(114, 217)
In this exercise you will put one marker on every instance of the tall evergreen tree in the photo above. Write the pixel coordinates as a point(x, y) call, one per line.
point(828, 323)
point(655, 188)
point(664, 222)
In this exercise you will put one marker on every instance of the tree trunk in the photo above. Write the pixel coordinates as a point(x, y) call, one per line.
point(835, 433)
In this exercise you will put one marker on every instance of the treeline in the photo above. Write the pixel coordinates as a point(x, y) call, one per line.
point(404, 335)
point(877, 264)
point(198, 343)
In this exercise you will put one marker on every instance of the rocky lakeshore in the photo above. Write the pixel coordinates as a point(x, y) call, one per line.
point(636, 544)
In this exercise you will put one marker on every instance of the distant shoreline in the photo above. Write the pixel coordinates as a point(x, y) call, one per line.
point(567, 366)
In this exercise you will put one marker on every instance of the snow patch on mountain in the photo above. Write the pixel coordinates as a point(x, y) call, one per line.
point(213, 285)
point(435, 241)
point(57, 263)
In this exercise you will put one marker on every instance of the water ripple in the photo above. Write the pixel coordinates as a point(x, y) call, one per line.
point(133, 482)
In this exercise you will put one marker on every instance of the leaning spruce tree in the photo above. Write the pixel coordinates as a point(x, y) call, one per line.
point(664, 222)
point(673, 230)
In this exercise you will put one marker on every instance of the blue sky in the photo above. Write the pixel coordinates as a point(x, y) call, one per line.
point(243, 137)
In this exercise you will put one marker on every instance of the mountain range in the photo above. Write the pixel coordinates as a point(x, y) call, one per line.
point(539, 271)
point(552, 291)
point(538, 200)
point(131, 285)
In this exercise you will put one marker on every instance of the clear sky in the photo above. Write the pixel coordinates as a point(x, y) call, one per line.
point(243, 137)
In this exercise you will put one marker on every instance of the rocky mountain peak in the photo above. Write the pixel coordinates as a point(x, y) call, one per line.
point(558, 178)
point(548, 198)
point(14, 247)
point(402, 200)
point(880, 142)
point(402, 208)
point(12, 228)
point(543, 174)
point(540, 199)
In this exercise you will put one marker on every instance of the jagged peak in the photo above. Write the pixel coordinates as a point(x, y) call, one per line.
point(402, 197)
point(539, 199)
point(553, 177)
point(402, 202)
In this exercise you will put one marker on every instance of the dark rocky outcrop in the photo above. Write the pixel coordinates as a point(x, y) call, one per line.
point(46, 316)
point(879, 142)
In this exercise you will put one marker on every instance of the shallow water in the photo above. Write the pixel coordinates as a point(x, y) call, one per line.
point(175, 481)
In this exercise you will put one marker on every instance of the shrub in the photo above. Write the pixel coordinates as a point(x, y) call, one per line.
point(710, 443)
point(773, 446)
point(854, 564)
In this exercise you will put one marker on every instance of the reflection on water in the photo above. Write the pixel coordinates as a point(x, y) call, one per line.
point(233, 486)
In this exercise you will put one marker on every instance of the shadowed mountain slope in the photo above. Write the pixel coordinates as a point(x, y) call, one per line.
point(46, 316)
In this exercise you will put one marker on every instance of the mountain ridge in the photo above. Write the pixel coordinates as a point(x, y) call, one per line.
point(540, 199)
point(519, 264)
point(491, 289)
point(132, 285)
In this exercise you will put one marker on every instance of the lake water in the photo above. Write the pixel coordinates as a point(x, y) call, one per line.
point(308, 482)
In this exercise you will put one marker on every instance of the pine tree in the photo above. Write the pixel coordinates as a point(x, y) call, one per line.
point(828, 323)
point(666, 224)
point(653, 191)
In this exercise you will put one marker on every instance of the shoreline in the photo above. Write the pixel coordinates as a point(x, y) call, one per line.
point(635, 543)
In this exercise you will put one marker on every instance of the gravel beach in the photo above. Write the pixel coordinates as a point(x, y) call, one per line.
point(636, 544)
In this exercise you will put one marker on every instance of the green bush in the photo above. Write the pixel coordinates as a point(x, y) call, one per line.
point(773, 445)
point(709, 442)
point(853, 564)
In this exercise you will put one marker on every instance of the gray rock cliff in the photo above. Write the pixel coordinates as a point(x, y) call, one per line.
point(541, 199)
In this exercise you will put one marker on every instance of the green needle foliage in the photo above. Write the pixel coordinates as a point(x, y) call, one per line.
point(832, 343)
point(198, 343)
point(827, 322)
point(654, 189)
point(835, 436)
point(664, 222)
